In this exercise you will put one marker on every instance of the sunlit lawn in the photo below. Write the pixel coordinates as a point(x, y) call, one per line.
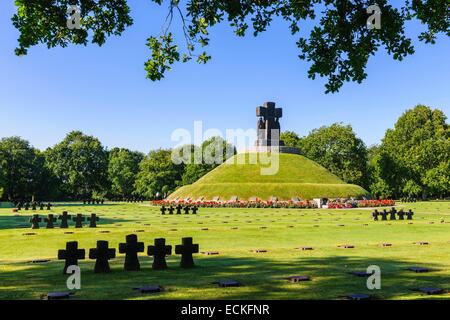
point(262, 275)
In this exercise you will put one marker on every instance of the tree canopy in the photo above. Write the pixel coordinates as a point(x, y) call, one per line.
point(123, 167)
point(337, 47)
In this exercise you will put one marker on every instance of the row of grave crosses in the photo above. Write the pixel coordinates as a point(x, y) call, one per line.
point(65, 218)
point(392, 215)
point(102, 254)
point(179, 208)
point(33, 206)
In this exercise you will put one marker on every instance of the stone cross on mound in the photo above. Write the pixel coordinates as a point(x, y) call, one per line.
point(268, 127)
point(71, 255)
point(159, 251)
point(64, 219)
point(79, 220)
point(163, 210)
point(35, 221)
point(93, 220)
point(186, 249)
point(102, 254)
point(131, 249)
point(50, 220)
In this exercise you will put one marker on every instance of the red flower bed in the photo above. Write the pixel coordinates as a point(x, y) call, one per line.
point(239, 204)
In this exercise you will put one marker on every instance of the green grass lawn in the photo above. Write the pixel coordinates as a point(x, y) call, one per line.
point(262, 275)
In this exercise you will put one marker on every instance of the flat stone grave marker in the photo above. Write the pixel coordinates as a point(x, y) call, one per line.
point(263, 227)
point(360, 274)
point(234, 228)
point(418, 269)
point(71, 255)
point(346, 246)
point(258, 251)
point(227, 283)
point(431, 291)
point(102, 254)
point(104, 231)
point(210, 253)
point(204, 229)
point(386, 245)
point(139, 231)
point(358, 297)
point(186, 249)
point(39, 261)
point(149, 289)
point(131, 248)
point(58, 295)
point(29, 234)
point(422, 243)
point(68, 232)
point(296, 279)
point(306, 248)
point(173, 229)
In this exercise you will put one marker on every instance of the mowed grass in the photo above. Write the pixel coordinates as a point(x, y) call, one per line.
point(279, 231)
point(293, 175)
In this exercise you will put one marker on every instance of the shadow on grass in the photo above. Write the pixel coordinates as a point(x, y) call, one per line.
point(261, 279)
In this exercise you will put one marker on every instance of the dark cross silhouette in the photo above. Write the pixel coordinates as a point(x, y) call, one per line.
point(79, 220)
point(179, 207)
point(186, 249)
point(186, 210)
point(384, 215)
point(171, 209)
point(35, 221)
point(50, 220)
point(27, 206)
point(131, 249)
point(194, 210)
point(72, 254)
point(33, 206)
point(159, 251)
point(41, 206)
point(93, 220)
point(49, 206)
point(393, 213)
point(163, 210)
point(102, 254)
point(410, 214)
point(268, 126)
point(64, 218)
point(401, 215)
point(375, 215)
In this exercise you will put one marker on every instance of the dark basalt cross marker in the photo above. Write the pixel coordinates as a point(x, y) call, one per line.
point(401, 215)
point(131, 249)
point(171, 209)
point(186, 210)
point(50, 220)
point(71, 255)
point(410, 215)
point(79, 220)
point(194, 210)
point(93, 219)
point(393, 213)
point(163, 210)
point(35, 221)
point(102, 254)
point(186, 249)
point(64, 219)
point(179, 207)
point(159, 251)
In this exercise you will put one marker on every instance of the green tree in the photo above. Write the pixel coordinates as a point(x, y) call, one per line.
point(80, 165)
point(21, 168)
point(291, 139)
point(338, 149)
point(123, 168)
point(206, 157)
point(338, 46)
point(378, 187)
point(416, 153)
point(158, 174)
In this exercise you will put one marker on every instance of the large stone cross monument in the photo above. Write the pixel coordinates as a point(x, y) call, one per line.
point(268, 127)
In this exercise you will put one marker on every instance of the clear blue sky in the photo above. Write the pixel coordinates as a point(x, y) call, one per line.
point(103, 91)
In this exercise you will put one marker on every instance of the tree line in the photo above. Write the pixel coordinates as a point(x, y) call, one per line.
point(412, 160)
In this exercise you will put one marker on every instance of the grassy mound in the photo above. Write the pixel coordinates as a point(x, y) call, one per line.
point(243, 176)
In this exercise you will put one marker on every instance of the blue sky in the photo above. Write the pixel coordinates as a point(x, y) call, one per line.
point(103, 91)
